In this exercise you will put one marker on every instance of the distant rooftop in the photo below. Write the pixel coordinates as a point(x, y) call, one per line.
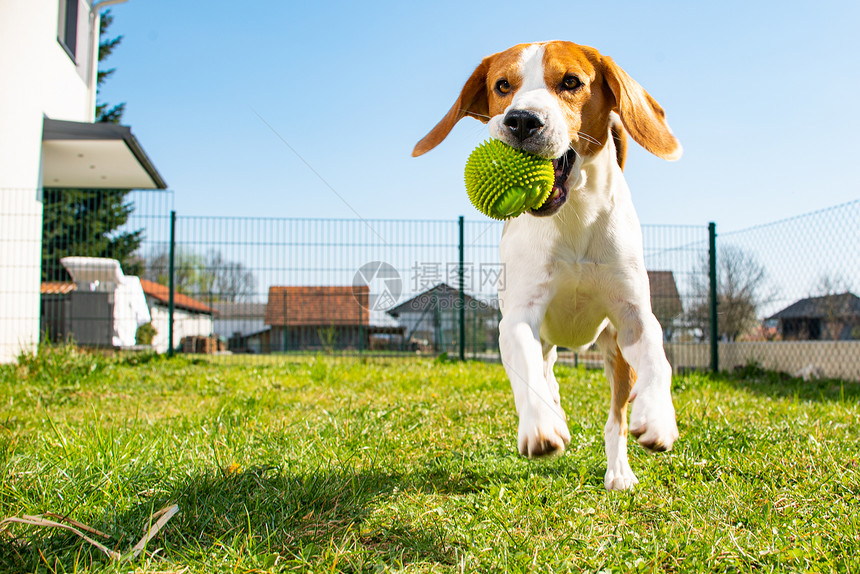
point(161, 293)
point(441, 296)
point(155, 290)
point(840, 306)
point(317, 306)
point(239, 310)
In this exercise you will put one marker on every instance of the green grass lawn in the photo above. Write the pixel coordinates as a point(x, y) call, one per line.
point(343, 465)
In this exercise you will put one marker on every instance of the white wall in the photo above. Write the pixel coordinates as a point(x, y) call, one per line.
point(185, 324)
point(836, 359)
point(38, 79)
point(20, 258)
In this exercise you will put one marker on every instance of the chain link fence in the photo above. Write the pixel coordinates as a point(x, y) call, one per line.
point(788, 294)
point(249, 289)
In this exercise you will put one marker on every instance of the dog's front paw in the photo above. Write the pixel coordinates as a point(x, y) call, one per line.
point(621, 478)
point(543, 433)
point(652, 420)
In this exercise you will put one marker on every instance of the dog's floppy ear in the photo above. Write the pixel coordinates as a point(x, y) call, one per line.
point(472, 102)
point(641, 115)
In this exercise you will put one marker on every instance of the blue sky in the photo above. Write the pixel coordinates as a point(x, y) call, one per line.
point(761, 95)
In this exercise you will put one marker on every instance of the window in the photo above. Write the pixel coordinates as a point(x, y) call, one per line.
point(67, 33)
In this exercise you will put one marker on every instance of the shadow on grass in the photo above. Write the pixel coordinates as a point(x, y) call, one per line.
point(267, 512)
point(781, 385)
point(298, 514)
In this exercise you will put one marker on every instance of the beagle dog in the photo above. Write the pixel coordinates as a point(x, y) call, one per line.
point(574, 267)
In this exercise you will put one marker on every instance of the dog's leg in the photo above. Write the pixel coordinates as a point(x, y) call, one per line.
point(621, 377)
point(542, 428)
point(640, 339)
point(524, 295)
point(550, 356)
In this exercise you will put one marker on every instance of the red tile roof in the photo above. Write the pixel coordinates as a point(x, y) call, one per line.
point(56, 288)
point(307, 306)
point(180, 301)
point(155, 290)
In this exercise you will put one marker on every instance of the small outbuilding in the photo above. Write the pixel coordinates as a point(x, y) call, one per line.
point(102, 308)
point(431, 320)
point(317, 317)
point(665, 301)
point(191, 318)
point(823, 318)
point(242, 324)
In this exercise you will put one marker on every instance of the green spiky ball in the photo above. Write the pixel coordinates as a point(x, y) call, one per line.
point(504, 182)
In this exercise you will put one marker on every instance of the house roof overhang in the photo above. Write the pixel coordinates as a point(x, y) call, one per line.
point(95, 156)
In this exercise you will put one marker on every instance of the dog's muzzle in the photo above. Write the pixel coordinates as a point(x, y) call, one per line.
point(522, 124)
point(526, 130)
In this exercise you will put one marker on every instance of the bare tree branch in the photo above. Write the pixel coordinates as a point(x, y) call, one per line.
point(741, 292)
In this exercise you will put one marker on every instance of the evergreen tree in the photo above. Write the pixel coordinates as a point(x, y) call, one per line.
point(104, 113)
point(84, 222)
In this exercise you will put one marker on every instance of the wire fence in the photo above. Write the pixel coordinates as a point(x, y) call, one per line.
point(398, 287)
point(92, 243)
point(20, 240)
point(788, 294)
point(252, 288)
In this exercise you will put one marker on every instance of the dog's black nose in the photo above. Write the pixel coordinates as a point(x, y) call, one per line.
point(523, 124)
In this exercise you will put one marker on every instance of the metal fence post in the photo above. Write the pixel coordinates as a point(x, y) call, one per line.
point(712, 272)
point(462, 295)
point(170, 283)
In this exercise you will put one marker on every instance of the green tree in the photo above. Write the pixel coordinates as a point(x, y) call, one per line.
point(80, 222)
point(87, 222)
point(105, 112)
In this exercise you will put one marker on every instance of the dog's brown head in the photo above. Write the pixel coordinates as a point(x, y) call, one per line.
point(555, 99)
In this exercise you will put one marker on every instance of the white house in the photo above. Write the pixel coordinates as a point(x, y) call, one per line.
point(48, 66)
point(191, 318)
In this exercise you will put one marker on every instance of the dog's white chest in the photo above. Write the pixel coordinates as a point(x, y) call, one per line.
point(576, 313)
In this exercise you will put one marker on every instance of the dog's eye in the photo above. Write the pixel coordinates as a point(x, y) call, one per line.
point(503, 87)
point(570, 82)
